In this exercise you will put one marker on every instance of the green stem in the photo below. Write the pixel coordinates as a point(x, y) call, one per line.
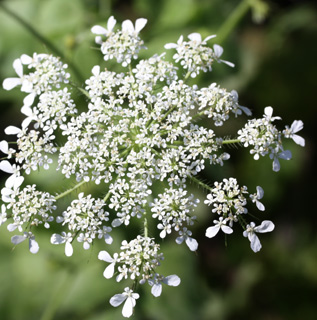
point(234, 18)
point(61, 195)
point(204, 185)
point(146, 230)
point(42, 39)
point(231, 141)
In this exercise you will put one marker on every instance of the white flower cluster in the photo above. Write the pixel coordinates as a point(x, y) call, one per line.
point(265, 138)
point(138, 259)
point(229, 201)
point(141, 142)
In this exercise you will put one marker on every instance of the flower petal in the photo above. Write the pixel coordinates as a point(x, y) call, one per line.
point(6, 166)
point(140, 24)
point(127, 309)
point(255, 243)
point(109, 271)
point(105, 256)
point(172, 280)
point(17, 239)
point(192, 243)
point(10, 83)
point(99, 30)
point(226, 229)
point(12, 130)
point(265, 226)
point(57, 239)
point(4, 146)
point(33, 246)
point(212, 231)
point(117, 299)
point(156, 289)
point(68, 249)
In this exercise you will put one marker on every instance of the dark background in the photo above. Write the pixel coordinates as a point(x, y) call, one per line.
point(273, 45)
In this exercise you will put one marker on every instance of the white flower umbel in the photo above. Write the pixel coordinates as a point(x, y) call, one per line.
point(133, 155)
point(129, 298)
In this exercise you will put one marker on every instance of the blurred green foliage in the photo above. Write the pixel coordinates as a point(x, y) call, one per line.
point(273, 44)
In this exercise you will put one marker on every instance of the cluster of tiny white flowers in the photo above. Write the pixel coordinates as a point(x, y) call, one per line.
point(141, 142)
point(265, 138)
point(229, 202)
point(84, 218)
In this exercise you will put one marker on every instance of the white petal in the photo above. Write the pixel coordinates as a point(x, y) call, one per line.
point(25, 59)
point(27, 111)
point(33, 246)
point(57, 239)
point(192, 244)
point(109, 271)
point(99, 30)
point(266, 226)
point(105, 256)
point(140, 24)
point(25, 123)
point(10, 83)
point(212, 231)
point(299, 140)
point(255, 243)
point(127, 309)
point(17, 65)
point(28, 100)
point(226, 229)
point(172, 280)
point(195, 37)
point(117, 299)
point(11, 227)
point(210, 37)
point(156, 289)
point(86, 245)
point(297, 125)
point(17, 239)
point(259, 192)
point(6, 166)
point(12, 130)
point(127, 26)
point(228, 63)
point(218, 50)
point(96, 70)
point(268, 111)
point(276, 165)
point(68, 249)
point(116, 222)
point(111, 23)
point(286, 155)
point(260, 206)
point(179, 240)
point(4, 146)
point(170, 46)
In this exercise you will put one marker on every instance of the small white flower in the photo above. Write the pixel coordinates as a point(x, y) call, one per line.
point(33, 245)
point(129, 297)
point(251, 229)
point(256, 197)
point(268, 112)
point(156, 283)
point(186, 235)
point(221, 224)
point(103, 31)
point(296, 126)
point(105, 256)
point(64, 238)
point(275, 155)
point(11, 83)
point(218, 50)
